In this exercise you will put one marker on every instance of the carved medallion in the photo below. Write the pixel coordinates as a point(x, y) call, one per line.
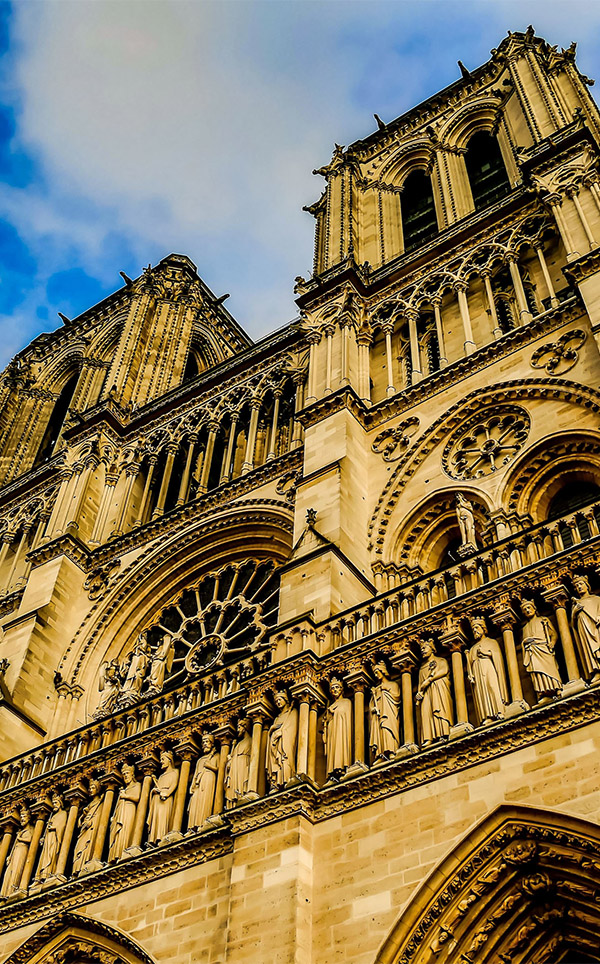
point(486, 443)
point(205, 653)
point(560, 356)
point(393, 442)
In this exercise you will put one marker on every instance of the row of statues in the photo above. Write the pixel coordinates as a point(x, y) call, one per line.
point(139, 675)
point(435, 700)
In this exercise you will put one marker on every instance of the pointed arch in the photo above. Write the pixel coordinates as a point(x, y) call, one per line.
point(522, 886)
point(69, 937)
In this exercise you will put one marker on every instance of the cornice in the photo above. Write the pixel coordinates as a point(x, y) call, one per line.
point(556, 148)
point(582, 268)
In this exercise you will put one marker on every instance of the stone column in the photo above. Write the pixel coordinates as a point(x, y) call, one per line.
point(185, 479)
point(461, 291)
point(148, 767)
point(496, 329)
point(226, 467)
point(272, 448)
point(9, 827)
point(405, 662)
point(225, 735)
point(213, 428)
point(248, 463)
point(388, 330)
point(439, 329)
point(258, 712)
point(328, 331)
point(164, 485)
point(558, 597)
point(77, 501)
point(456, 642)
point(524, 312)
point(111, 782)
point(299, 405)
point(187, 751)
point(505, 618)
point(131, 474)
point(17, 555)
point(40, 811)
point(415, 357)
point(555, 201)
point(152, 460)
point(74, 798)
point(547, 279)
point(312, 740)
point(358, 680)
point(573, 193)
point(364, 340)
point(313, 338)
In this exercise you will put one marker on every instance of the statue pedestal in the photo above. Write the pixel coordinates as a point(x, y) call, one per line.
point(54, 880)
point(515, 709)
point(460, 729)
point(467, 549)
point(92, 866)
point(132, 852)
point(299, 779)
point(173, 836)
point(574, 686)
point(408, 749)
point(356, 770)
point(249, 797)
point(215, 822)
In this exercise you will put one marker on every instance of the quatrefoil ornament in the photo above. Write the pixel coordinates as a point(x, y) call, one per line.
point(393, 442)
point(560, 356)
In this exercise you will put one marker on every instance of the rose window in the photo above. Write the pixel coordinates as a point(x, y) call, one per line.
point(226, 616)
point(486, 443)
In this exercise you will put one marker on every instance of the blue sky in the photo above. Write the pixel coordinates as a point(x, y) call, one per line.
point(132, 128)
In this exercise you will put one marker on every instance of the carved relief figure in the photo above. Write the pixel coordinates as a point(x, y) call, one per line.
point(109, 684)
point(337, 730)
point(135, 673)
point(160, 665)
point(538, 640)
point(238, 765)
point(585, 615)
point(162, 797)
point(18, 855)
point(89, 823)
point(384, 728)
point(204, 783)
point(52, 839)
point(466, 520)
point(485, 670)
point(123, 818)
point(434, 695)
point(281, 742)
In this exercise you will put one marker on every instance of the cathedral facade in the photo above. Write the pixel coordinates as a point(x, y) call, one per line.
point(300, 651)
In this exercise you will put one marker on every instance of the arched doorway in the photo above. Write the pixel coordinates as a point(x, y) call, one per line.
point(75, 939)
point(521, 888)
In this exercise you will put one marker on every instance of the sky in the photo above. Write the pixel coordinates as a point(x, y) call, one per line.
point(133, 128)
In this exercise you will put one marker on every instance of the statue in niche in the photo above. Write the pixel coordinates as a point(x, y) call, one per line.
point(485, 669)
point(161, 664)
point(134, 673)
point(123, 818)
point(52, 839)
point(162, 798)
point(238, 765)
point(337, 730)
point(434, 695)
point(539, 639)
point(281, 742)
point(204, 784)
point(109, 684)
point(18, 855)
point(89, 823)
point(384, 728)
point(466, 521)
point(585, 616)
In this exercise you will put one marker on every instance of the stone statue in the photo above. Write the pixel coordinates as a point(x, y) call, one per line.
point(585, 616)
point(434, 695)
point(123, 818)
point(538, 640)
point(162, 798)
point(485, 669)
point(52, 839)
point(238, 765)
point(134, 673)
point(466, 520)
point(337, 730)
point(89, 823)
point(204, 784)
point(109, 684)
point(161, 664)
point(18, 855)
point(281, 742)
point(384, 729)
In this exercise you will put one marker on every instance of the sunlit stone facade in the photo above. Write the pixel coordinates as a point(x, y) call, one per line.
point(301, 638)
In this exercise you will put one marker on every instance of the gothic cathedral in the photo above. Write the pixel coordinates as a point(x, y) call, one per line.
point(300, 638)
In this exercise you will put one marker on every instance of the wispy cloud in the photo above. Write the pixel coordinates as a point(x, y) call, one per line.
point(135, 128)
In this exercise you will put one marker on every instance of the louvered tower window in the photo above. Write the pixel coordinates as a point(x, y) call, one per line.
point(419, 222)
point(486, 170)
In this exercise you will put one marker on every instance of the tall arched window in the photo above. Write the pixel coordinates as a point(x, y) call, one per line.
point(419, 222)
point(56, 421)
point(486, 170)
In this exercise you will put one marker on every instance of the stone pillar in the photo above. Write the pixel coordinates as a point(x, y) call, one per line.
point(547, 279)
point(439, 329)
point(131, 474)
point(74, 798)
point(328, 331)
point(313, 338)
point(558, 597)
point(17, 555)
point(312, 740)
point(226, 467)
point(358, 680)
point(299, 405)
point(415, 357)
point(388, 330)
point(225, 735)
point(456, 642)
point(524, 312)
point(555, 202)
point(258, 712)
point(573, 193)
point(272, 448)
point(164, 485)
point(152, 460)
point(9, 828)
point(186, 751)
point(185, 478)
point(496, 329)
point(40, 811)
point(364, 340)
point(461, 291)
point(405, 662)
point(248, 463)
point(213, 428)
point(505, 618)
point(111, 781)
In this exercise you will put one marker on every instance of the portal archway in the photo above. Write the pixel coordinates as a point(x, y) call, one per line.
point(522, 887)
point(74, 939)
